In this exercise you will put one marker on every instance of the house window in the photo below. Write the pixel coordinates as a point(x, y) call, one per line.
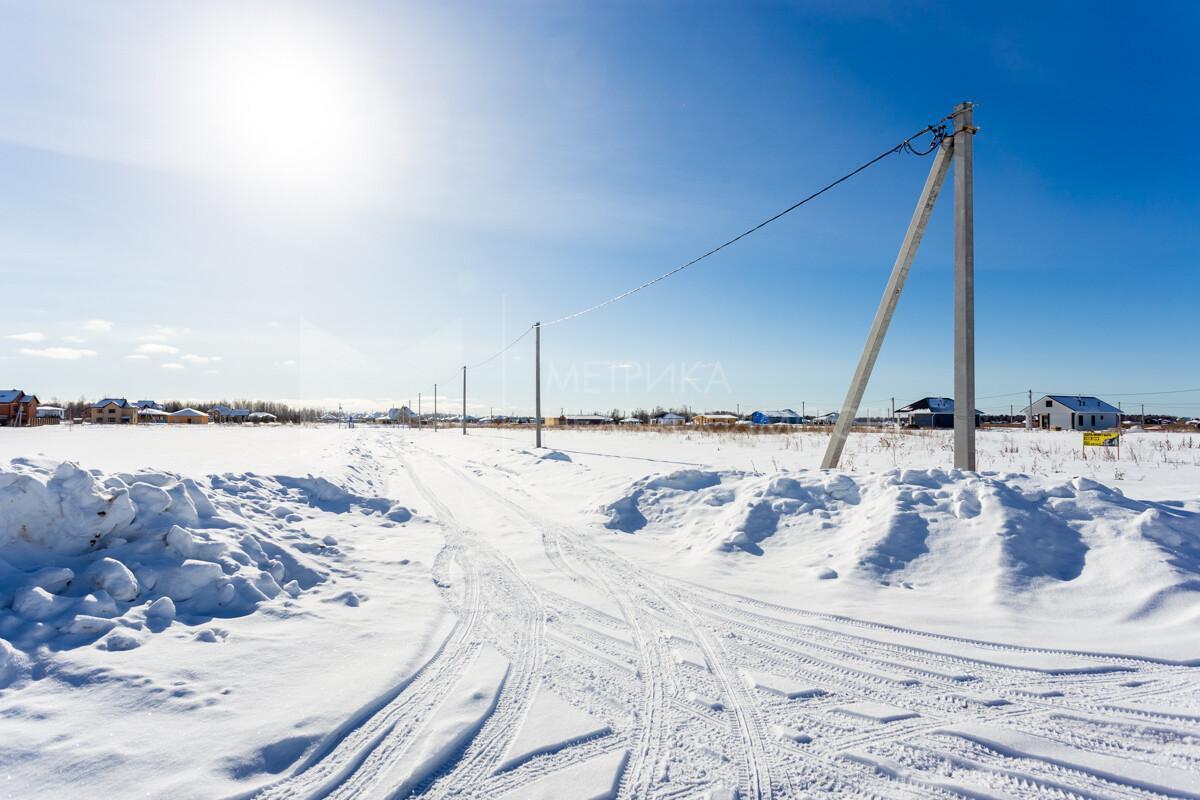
point(1049, 403)
point(1093, 420)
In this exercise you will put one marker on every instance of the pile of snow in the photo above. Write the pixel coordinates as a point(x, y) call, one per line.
point(115, 558)
point(1005, 538)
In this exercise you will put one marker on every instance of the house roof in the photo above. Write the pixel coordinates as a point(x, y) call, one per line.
point(10, 395)
point(238, 412)
point(585, 416)
point(1085, 402)
point(717, 416)
point(939, 405)
point(266, 415)
point(782, 412)
point(152, 412)
point(146, 404)
point(29, 398)
point(671, 415)
point(188, 412)
point(120, 402)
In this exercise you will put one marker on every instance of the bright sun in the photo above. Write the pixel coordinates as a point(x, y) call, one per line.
point(283, 109)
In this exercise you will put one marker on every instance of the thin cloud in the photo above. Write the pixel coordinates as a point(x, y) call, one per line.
point(158, 349)
point(98, 325)
point(59, 353)
point(30, 336)
point(195, 359)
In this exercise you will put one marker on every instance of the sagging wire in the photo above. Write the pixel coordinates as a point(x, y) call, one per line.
point(938, 130)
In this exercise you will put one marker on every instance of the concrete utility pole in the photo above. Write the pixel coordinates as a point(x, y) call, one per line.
point(435, 408)
point(464, 400)
point(537, 384)
point(887, 304)
point(964, 289)
point(1029, 416)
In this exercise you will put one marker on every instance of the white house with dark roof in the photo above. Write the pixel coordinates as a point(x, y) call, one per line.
point(1073, 412)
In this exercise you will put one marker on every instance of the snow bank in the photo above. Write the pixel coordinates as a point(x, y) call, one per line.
point(999, 536)
point(85, 555)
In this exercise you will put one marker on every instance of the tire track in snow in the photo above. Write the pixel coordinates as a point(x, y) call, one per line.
point(409, 702)
point(636, 593)
point(735, 632)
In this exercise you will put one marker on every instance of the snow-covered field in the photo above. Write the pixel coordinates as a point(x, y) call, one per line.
point(313, 612)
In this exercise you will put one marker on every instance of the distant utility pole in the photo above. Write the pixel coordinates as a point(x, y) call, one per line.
point(537, 384)
point(464, 420)
point(1029, 416)
point(435, 408)
point(420, 418)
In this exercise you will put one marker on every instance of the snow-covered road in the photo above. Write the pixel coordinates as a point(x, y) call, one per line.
point(578, 656)
point(575, 672)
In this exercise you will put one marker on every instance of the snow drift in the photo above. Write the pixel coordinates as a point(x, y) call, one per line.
point(1006, 537)
point(85, 556)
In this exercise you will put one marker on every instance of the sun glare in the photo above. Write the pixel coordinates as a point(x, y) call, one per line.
point(284, 110)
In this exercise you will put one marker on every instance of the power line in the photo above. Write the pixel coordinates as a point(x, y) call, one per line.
point(939, 133)
point(502, 350)
point(1140, 394)
point(938, 129)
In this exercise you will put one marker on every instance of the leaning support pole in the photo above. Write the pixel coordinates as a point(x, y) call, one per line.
point(464, 418)
point(537, 384)
point(964, 290)
point(887, 305)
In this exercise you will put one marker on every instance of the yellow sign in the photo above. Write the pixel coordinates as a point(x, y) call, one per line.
point(1101, 438)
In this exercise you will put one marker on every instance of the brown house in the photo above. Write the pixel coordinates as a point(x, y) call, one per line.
point(113, 411)
point(17, 408)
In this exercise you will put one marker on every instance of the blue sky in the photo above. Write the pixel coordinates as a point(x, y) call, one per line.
point(345, 202)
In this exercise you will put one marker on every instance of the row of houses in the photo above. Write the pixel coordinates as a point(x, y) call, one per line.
point(1057, 412)
point(1050, 412)
point(779, 417)
point(120, 411)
